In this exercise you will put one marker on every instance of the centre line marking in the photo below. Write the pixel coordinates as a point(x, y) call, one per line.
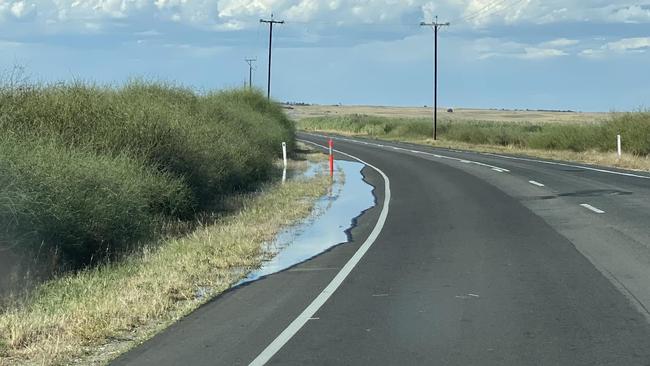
point(320, 300)
point(535, 183)
point(592, 208)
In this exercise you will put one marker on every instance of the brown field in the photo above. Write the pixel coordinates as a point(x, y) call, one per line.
point(459, 114)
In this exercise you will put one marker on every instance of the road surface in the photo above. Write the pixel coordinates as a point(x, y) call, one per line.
point(482, 260)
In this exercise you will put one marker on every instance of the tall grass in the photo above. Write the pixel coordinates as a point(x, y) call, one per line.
point(89, 172)
point(634, 128)
point(79, 203)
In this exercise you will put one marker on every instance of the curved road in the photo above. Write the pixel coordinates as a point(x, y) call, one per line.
point(483, 260)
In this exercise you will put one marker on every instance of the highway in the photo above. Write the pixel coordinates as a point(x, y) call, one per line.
point(467, 259)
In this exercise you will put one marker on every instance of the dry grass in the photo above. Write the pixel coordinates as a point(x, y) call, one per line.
point(85, 315)
point(611, 159)
point(580, 137)
point(608, 159)
point(460, 114)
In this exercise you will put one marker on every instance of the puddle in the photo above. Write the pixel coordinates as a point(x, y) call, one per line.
point(327, 226)
point(312, 170)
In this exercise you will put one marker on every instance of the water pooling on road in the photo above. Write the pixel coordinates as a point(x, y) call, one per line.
point(333, 215)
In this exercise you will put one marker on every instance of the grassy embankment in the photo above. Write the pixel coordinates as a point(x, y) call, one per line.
point(122, 194)
point(589, 143)
point(90, 172)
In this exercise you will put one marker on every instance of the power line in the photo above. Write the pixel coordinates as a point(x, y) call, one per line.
point(489, 9)
point(481, 11)
point(270, 22)
point(436, 27)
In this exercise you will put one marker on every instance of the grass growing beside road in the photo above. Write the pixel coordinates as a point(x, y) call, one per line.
point(73, 316)
point(90, 173)
point(591, 143)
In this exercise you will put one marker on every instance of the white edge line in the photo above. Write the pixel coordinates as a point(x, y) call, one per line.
point(592, 208)
point(570, 166)
point(315, 305)
point(535, 183)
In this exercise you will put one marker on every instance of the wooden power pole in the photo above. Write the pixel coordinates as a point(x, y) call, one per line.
point(270, 22)
point(436, 27)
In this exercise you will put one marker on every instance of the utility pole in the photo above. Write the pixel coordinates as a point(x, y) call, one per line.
point(436, 27)
point(250, 61)
point(270, 22)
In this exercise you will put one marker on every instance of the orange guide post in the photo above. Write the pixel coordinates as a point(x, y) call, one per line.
point(331, 158)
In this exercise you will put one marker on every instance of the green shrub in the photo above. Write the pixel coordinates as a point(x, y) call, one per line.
point(92, 170)
point(634, 129)
point(82, 205)
point(218, 143)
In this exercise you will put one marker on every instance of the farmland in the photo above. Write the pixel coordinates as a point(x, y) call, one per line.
point(581, 137)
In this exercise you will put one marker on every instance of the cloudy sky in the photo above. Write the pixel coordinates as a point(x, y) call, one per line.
point(554, 54)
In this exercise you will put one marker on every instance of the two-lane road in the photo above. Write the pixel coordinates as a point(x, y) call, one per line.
point(482, 260)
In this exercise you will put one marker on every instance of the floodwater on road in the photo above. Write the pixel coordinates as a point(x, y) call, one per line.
point(327, 226)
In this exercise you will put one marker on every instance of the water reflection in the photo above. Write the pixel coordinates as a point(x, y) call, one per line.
point(334, 214)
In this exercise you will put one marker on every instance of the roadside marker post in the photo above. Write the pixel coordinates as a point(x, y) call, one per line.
point(331, 144)
point(618, 145)
point(284, 158)
point(284, 154)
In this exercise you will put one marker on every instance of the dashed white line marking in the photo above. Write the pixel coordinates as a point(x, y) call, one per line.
point(592, 208)
point(570, 166)
point(320, 300)
point(535, 183)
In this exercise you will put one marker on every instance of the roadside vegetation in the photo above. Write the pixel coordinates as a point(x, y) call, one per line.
point(90, 173)
point(94, 315)
point(124, 208)
point(592, 143)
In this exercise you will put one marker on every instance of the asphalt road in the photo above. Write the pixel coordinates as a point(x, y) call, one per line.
point(483, 260)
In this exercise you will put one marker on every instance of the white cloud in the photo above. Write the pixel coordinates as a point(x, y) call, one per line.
point(622, 46)
point(212, 13)
point(304, 10)
point(492, 48)
point(17, 10)
point(592, 53)
point(639, 44)
point(149, 33)
point(628, 14)
point(534, 53)
point(71, 16)
point(560, 43)
point(80, 10)
point(21, 9)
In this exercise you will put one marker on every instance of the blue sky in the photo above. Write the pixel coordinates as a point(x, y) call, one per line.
point(550, 54)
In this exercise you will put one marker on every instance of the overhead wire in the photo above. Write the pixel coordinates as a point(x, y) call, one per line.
point(480, 12)
point(490, 9)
